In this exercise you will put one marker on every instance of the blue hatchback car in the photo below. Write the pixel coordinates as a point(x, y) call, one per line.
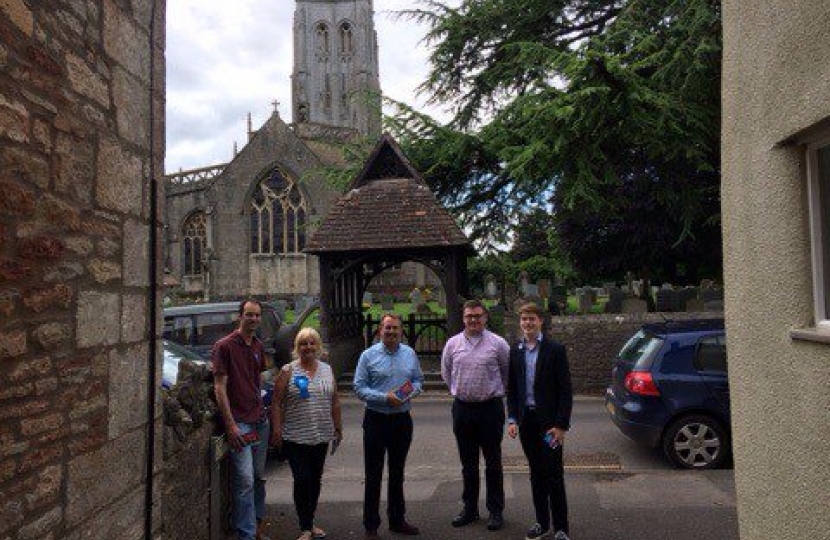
point(669, 388)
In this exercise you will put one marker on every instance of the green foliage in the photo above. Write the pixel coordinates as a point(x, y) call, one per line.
point(531, 235)
point(613, 106)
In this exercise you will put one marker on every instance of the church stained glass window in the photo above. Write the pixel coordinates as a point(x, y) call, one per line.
point(194, 238)
point(279, 216)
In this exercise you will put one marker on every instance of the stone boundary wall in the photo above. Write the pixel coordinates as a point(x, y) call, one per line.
point(185, 486)
point(593, 341)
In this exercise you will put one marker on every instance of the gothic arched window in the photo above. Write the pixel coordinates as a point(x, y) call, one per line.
point(278, 216)
point(322, 35)
point(194, 238)
point(346, 36)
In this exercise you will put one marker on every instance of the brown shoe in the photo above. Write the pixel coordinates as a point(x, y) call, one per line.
point(405, 528)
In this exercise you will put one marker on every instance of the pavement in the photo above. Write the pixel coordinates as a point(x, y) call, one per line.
point(616, 489)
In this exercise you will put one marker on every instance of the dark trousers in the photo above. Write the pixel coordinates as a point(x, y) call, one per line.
point(547, 475)
point(385, 434)
point(306, 461)
point(480, 426)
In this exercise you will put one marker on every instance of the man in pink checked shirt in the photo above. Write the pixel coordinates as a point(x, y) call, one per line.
point(474, 365)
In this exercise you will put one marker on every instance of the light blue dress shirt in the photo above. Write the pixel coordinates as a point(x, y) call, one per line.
point(380, 371)
point(531, 355)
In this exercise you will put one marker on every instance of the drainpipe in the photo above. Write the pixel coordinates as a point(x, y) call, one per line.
point(153, 294)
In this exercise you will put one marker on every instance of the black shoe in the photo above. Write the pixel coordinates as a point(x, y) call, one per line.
point(464, 518)
point(405, 528)
point(495, 522)
point(536, 532)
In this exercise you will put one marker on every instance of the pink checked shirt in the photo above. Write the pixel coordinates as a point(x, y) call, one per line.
point(476, 369)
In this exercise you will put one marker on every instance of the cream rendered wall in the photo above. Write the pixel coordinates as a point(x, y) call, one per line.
point(776, 82)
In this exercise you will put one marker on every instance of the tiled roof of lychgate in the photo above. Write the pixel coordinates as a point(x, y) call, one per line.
point(387, 214)
point(389, 206)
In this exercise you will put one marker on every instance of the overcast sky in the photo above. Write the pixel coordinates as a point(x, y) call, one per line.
point(225, 59)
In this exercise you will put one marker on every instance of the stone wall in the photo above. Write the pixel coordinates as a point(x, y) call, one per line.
point(593, 341)
point(189, 410)
point(75, 163)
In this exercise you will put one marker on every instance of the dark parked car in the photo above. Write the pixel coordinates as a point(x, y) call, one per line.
point(669, 388)
point(199, 326)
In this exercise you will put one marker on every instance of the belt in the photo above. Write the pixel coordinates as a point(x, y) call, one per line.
point(484, 402)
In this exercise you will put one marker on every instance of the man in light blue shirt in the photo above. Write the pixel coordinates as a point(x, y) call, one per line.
point(387, 377)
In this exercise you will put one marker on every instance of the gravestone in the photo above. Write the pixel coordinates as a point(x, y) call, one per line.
point(615, 300)
point(491, 290)
point(585, 300)
point(367, 298)
point(686, 294)
point(637, 287)
point(531, 290)
point(694, 305)
point(710, 295)
point(387, 302)
point(559, 294)
point(667, 300)
point(510, 293)
point(634, 305)
point(524, 281)
point(416, 297)
point(544, 288)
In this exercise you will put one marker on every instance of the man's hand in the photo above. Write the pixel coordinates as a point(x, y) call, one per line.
point(234, 437)
point(558, 434)
point(512, 430)
point(393, 400)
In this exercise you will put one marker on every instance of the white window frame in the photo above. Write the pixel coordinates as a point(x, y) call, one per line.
point(819, 244)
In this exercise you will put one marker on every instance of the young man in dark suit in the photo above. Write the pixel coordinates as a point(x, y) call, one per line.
point(539, 403)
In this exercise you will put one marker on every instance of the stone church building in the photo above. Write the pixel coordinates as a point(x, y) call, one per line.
point(241, 227)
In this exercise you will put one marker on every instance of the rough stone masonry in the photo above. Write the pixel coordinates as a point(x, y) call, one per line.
point(75, 164)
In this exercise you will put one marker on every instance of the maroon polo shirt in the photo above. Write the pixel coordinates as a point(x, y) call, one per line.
point(243, 364)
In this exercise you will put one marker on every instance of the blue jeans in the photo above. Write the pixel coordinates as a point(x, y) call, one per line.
point(248, 482)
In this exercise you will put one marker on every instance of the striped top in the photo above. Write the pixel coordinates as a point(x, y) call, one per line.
point(308, 420)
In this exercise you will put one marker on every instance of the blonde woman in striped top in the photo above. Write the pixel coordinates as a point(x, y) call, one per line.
point(305, 418)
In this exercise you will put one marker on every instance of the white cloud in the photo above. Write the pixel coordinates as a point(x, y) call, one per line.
point(225, 59)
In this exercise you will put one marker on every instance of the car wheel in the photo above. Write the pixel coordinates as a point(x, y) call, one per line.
point(696, 442)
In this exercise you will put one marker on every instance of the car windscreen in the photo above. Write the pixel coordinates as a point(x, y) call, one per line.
point(211, 327)
point(640, 348)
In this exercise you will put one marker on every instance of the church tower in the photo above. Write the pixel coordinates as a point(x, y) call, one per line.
point(335, 80)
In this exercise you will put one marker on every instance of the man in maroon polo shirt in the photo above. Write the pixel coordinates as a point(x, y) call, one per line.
point(238, 361)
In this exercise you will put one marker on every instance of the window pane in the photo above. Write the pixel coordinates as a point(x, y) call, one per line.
point(711, 355)
point(188, 257)
point(824, 204)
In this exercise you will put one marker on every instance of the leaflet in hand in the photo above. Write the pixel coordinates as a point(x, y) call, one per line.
point(404, 391)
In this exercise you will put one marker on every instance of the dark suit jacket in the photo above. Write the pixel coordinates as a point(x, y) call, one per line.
point(551, 386)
